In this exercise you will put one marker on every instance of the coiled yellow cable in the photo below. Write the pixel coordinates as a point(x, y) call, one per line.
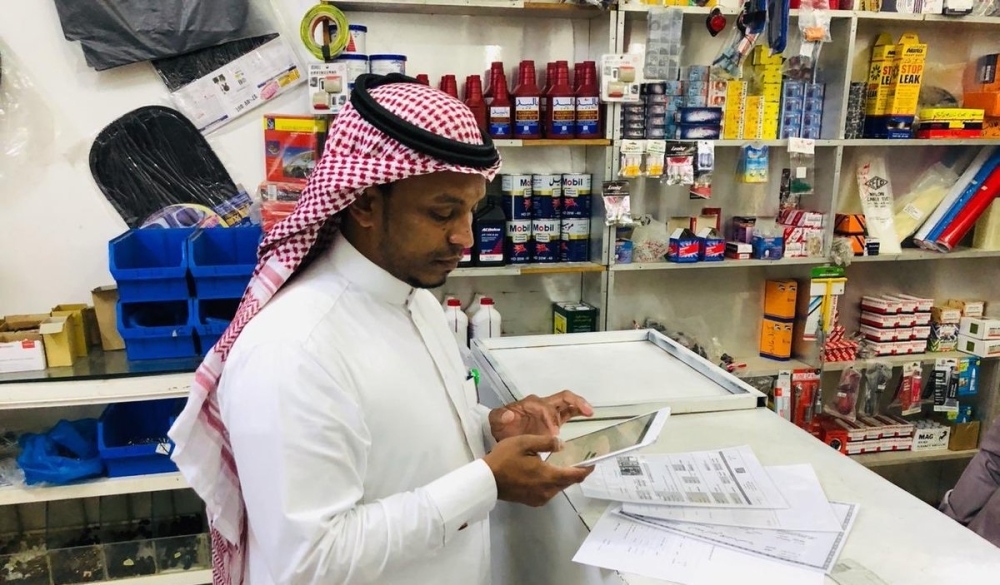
point(314, 17)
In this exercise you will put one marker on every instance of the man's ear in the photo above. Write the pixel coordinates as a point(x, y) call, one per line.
point(366, 208)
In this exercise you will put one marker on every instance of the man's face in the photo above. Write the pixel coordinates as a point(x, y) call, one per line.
point(422, 225)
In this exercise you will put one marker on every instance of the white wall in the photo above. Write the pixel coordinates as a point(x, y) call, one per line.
point(57, 223)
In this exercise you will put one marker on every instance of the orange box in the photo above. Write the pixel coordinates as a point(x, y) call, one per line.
point(776, 338)
point(991, 128)
point(850, 225)
point(780, 298)
point(989, 103)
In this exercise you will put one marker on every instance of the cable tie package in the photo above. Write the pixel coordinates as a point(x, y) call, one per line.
point(680, 164)
point(656, 151)
point(704, 165)
point(631, 158)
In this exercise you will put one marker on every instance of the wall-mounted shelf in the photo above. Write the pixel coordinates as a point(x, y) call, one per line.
point(501, 143)
point(94, 488)
point(887, 458)
point(180, 578)
point(525, 269)
point(474, 8)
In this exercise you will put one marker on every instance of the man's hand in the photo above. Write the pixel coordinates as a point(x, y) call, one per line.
point(523, 477)
point(537, 416)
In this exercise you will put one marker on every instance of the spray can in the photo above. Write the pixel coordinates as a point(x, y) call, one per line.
point(527, 111)
point(560, 119)
point(576, 195)
point(501, 121)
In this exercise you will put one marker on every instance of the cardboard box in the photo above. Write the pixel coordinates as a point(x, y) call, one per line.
point(568, 317)
point(24, 322)
point(876, 334)
point(753, 118)
point(880, 75)
point(946, 315)
point(79, 337)
point(933, 438)
point(105, 304)
point(684, 247)
point(923, 304)
point(968, 308)
point(980, 347)
point(908, 68)
point(780, 298)
point(964, 436)
point(906, 305)
point(713, 245)
point(881, 305)
point(882, 321)
point(776, 338)
point(291, 146)
point(738, 250)
point(21, 351)
point(57, 332)
point(980, 328)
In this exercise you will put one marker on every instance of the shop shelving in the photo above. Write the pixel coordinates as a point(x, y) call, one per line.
point(76, 392)
point(198, 577)
point(14, 495)
point(873, 460)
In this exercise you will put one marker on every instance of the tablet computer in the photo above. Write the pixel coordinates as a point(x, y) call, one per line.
point(623, 437)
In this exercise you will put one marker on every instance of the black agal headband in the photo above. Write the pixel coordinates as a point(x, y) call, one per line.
point(476, 156)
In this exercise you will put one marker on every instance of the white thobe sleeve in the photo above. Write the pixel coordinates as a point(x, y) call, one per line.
point(300, 443)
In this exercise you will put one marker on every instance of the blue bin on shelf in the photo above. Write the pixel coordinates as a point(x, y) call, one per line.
point(211, 318)
point(222, 260)
point(150, 264)
point(157, 330)
point(132, 437)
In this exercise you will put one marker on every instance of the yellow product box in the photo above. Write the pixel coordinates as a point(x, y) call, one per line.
point(880, 75)
point(768, 73)
point(951, 115)
point(771, 122)
point(79, 339)
point(753, 118)
point(762, 56)
point(772, 93)
point(736, 95)
point(908, 73)
point(57, 334)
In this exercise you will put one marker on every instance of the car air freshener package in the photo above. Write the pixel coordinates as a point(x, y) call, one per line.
point(617, 203)
point(845, 401)
point(631, 159)
point(704, 165)
point(680, 164)
point(656, 152)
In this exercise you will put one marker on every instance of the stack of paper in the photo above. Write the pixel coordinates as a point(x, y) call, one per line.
point(714, 517)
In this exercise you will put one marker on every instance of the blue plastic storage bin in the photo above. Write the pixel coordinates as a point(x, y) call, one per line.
point(211, 318)
point(157, 330)
point(132, 437)
point(222, 260)
point(150, 264)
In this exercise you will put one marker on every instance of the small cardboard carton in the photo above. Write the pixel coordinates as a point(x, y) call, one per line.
point(57, 333)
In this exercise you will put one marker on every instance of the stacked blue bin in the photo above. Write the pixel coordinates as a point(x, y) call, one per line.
point(178, 288)
point(132, 437)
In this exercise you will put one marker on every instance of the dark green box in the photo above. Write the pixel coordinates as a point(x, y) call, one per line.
point(570, 317)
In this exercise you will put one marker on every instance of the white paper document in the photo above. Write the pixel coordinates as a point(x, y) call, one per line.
point(808, 509)
point(810, 550)
point(723, 478)
point(619, 544)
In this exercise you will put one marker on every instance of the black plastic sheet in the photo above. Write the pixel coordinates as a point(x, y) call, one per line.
point(118, 32)
point(154, 157)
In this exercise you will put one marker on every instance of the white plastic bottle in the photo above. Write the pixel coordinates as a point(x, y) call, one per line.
point(458, 321)
point(486, 321)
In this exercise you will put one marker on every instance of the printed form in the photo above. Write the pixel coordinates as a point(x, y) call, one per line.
point(810, 550)
point(724, 478)
point(620, 544)
point(808, 508)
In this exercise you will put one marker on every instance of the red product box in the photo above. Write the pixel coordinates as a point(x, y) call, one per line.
point(291, 146)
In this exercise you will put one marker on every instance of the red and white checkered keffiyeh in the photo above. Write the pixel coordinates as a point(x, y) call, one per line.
point(357, 156)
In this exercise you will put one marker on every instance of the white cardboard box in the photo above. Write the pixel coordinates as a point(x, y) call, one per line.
point(980, 328)
point(931, 439)
point(980, 347)
point(21, 351)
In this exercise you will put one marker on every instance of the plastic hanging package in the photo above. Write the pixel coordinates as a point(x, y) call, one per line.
point(704, 164)
point(928, 191)
point(679, 168)
point(845, 401)
point(617, 204)
point(153, 158)
point(28, 135)
point(910, 388)
point(877, 375)
point(114, 33)
point(746, 30)
point(663, 43)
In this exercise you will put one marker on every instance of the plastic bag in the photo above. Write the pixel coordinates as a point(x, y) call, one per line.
point(27, 127)
point(913, 209)
point(114, 33)
point(66, 453)
point(845, 401)
point(650, 241)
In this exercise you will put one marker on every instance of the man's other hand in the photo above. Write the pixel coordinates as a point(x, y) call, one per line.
point(537, 416)
point(523, 477)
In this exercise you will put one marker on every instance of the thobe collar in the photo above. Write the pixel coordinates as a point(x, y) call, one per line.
point(346, 260)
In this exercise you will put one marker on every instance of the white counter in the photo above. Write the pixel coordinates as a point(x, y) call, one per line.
point(896, 536)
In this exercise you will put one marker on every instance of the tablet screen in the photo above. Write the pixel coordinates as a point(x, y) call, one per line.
point(603, 442)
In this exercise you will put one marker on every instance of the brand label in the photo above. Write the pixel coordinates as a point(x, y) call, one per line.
point(517, 242)
point(588, 116)
point(545, 235)
point(489, 244)
point(563, 116)
point(516, 184)
point(575, 229)
point(526, 116)
point(575, 240)
point(500, 122)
